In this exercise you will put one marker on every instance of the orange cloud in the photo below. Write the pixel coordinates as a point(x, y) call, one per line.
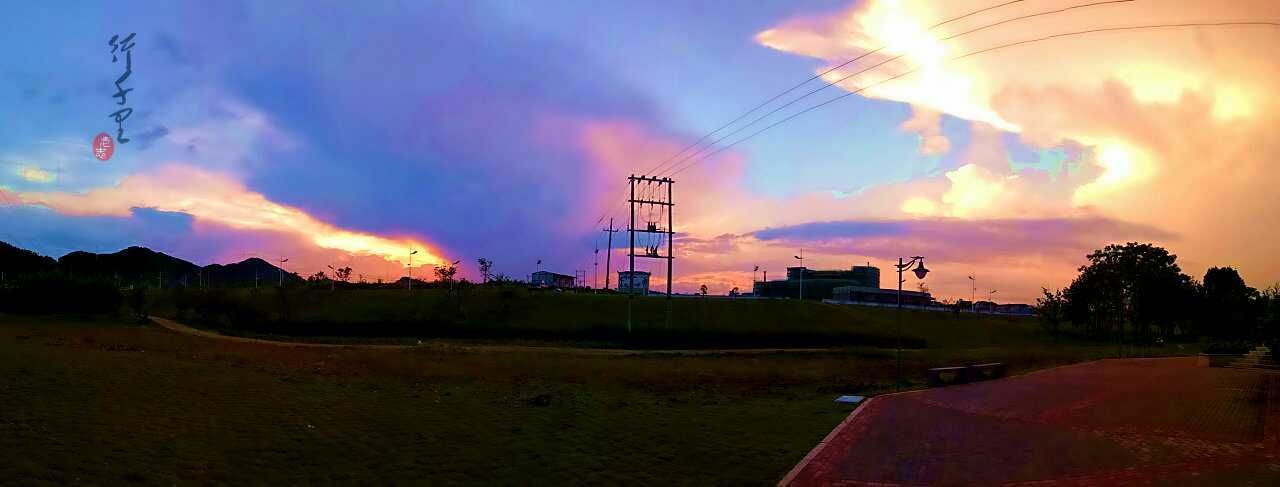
point(212, 198)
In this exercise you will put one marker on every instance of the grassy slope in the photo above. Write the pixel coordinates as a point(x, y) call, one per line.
point(696, 322)
point(111, 403)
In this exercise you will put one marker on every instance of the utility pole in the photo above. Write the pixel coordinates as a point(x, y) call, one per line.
point(608, 256)
point(651, 228)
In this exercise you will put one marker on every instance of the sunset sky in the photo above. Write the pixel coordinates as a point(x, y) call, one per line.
point(346, 133)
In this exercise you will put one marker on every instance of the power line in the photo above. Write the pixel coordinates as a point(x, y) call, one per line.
point(974, 53)
point(818, 76)
point(791, 89)
point(890, 60)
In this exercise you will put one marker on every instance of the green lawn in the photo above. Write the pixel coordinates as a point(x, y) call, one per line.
point(102, 401)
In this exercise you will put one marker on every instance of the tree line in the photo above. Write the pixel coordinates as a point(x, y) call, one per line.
point(1137, 292)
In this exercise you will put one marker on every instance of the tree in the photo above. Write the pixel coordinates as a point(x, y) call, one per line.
point(1229, 304)
point(486, 268)
point(343, 274)
point(317, 277)
point(445, 272)
point(702, 290)
point(1269, 309)
point(1138, 284)
point(734, 292)
point(1052, 308)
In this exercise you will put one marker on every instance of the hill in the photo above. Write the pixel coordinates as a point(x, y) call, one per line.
point(133, 264)
point(14, 261)
point(245, 273)
point(141, 265)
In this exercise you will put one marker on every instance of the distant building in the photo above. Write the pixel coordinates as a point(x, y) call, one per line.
point(875, 295)
point(1015, 309)
point(633, 282)
point(551, 279)
point(818, 284)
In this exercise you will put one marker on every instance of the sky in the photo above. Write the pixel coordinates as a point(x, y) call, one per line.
point(1001, 140)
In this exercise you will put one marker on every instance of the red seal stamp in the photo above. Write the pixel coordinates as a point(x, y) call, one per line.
point(103, 146)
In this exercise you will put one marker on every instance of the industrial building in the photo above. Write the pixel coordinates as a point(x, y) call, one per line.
point(818, 284)
point(551, 279)
point(875, 295)
point(859, 284)
point(633, 282)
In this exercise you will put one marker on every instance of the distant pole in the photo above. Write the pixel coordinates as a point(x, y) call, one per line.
point(897, 356)
point(801, 257)
point(255, 278)
point(281, 269)
point(608, 256)
point(332, 277)
point(631, 254)
point(411, 252)
point(595, 269)
point(973, 294)
point(671, 258)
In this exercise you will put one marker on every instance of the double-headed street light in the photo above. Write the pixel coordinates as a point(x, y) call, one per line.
point(920, 271)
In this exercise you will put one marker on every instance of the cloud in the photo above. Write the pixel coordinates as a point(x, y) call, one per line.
point(214, 199)
point(928, 125)
point(1175, 123)
point(35, 174)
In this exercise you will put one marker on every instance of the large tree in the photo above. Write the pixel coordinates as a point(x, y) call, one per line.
point(1138, 284)
point(1229, 304)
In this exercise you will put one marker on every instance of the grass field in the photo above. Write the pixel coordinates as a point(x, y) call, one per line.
point(584, 319)
point(108, 401)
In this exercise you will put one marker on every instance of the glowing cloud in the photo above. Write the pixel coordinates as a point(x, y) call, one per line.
point(35, 175)
point(212, 198)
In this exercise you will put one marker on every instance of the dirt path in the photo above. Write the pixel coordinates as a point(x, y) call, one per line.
point(187, 330)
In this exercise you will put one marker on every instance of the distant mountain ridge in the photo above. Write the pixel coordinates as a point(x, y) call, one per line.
point(140, 264)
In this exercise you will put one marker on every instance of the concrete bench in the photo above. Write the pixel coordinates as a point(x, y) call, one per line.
point(960, 375)
point(986, 371)
point(936, 376)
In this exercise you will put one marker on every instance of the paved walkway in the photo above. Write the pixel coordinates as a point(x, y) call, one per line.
point(1110, 422)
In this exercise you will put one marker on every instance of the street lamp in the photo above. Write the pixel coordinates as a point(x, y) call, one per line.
point(411, 252)
point(332, 275)
point(801, 257)
point(281, 269)
point(920, 271)
point(973, 294)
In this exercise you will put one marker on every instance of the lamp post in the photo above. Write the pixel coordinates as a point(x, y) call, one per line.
point(281, 269)
point(332, 277)
point(973, 294)
point(801, 257)
point(920, 271)
point(411, 252)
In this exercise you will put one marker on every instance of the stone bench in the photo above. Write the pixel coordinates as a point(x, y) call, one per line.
point(959, 375)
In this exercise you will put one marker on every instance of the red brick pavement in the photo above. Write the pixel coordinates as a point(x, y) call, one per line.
point(1110, 422)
